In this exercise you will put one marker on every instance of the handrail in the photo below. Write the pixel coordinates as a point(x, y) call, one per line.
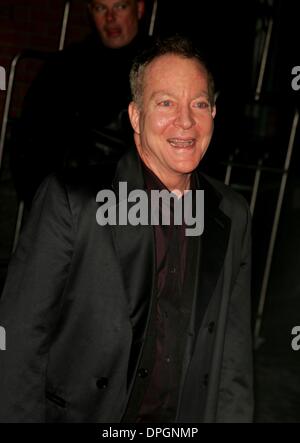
point(263, 293)
point(27, 53)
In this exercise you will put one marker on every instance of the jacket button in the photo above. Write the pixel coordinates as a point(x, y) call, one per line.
point(211, 327)
point(102, 383)
point(143, 373)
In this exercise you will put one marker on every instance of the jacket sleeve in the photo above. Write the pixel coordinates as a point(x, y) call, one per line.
point(236, 387)
point(31, 303)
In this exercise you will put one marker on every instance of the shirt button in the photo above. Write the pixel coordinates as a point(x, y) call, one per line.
point(143, 372)
point(102, 383)
point(211, 327)
point(168, 359)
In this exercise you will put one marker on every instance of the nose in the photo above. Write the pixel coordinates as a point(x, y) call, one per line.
point(184, 118)
point(110, 16)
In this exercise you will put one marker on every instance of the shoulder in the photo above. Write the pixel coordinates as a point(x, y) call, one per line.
point(233, 204)
point(67, 200)
point(81, 185)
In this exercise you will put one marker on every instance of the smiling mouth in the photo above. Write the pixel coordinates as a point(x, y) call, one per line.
point(182, 143)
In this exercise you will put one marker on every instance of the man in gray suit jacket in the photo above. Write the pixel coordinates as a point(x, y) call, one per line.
point(113, 321)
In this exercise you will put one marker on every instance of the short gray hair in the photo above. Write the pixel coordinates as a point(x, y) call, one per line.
point(176, 45)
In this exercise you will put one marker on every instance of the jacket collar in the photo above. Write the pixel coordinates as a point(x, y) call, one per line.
point(129, 170)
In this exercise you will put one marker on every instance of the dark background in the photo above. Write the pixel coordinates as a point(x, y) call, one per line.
point(228, 33)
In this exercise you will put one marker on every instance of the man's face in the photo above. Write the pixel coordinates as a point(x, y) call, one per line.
point(174, 123)
point(116, 20)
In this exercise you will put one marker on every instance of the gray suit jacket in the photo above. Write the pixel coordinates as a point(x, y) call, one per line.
point(77, 299)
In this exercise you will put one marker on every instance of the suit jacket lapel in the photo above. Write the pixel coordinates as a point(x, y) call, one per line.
point(214, 241)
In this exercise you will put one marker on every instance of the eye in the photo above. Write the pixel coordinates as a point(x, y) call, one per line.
point(165, 103)
point(99, 8)
point(202, 105)
point(121, 6)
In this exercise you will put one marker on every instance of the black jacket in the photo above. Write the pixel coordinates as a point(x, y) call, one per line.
point(75, 295)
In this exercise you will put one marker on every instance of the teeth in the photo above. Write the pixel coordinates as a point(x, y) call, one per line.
point(181, 143)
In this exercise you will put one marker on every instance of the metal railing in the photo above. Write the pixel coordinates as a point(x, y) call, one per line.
point(266, 276)
point(27, 54)
point(258, 169)
point(12, 73)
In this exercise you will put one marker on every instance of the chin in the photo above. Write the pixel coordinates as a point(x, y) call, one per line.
point(113, 45)
point(188, 167)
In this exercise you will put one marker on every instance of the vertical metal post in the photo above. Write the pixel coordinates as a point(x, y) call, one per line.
point(230, 166)
point(256, 186)
point(64, 25)
point(153, 18)
point(18, 225)
point(228, 170)
point(8, 97)
point(264, 60)
point(264, 288)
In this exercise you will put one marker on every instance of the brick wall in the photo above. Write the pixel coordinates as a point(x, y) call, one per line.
point(34, 24)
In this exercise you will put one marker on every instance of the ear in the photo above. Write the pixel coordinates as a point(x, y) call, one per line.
point(134, 116)
point(214, 112)
point(140, 8)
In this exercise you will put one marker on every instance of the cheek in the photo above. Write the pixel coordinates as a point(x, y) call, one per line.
point(210, 123)
point(98, 21)
point(159, 122)
point(206, 127)
point(128, 22)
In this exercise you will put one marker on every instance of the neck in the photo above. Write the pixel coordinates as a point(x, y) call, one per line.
point(179, 183)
